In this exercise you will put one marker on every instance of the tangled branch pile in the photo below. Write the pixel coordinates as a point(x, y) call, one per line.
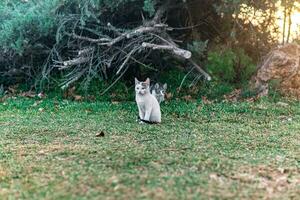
point(100, 49)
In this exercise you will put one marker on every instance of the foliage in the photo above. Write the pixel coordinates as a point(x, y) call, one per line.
point(25, 37)
point(247, 24)
point(297, 40)
point(149, 6)
point(231, 66)
point(198, 48)
point(24, 22)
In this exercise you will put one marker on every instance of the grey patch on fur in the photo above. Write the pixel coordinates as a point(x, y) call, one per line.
point(159, 91)
point(2, 90)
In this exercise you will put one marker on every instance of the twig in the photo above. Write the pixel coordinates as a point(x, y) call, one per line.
point(174, 149)
point(128, 56)
point(107, 89)
point(100, 40)
point(68, 63)
point(184, 78)
point(199, 69)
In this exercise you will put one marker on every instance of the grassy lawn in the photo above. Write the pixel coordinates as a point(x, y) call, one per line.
point(49, 150)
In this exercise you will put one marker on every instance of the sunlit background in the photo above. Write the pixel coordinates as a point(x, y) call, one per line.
point(295, 22)
point(288, 24)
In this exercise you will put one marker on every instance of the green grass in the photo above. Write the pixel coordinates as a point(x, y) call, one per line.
point(49, 150)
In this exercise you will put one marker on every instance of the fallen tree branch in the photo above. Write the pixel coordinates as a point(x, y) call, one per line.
point(179, 52)
point(66, 84)
point(100, 40)
point(68, 63)
point(119, 77)
point(199, 69)
point(128, 35)
point(128, 56)
point(114, 29)
point(85, 51)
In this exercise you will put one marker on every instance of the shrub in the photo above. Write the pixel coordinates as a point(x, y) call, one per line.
point(23, 24)
point(231, 66)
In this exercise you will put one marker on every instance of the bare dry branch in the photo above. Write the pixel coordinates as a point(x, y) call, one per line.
point(68, 63)
point(114, 29)
point(100, 40)
point(128, 56)
point(179, 52)
point(85, 51)
point(199, 69)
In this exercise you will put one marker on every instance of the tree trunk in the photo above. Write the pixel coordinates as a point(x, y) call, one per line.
point(290, 10)
point(284, 22)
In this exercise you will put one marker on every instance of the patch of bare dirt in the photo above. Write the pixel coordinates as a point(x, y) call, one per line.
point(267, 181)
point(3, 172)
point(37, 150)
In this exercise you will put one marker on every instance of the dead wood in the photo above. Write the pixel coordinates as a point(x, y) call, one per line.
point(113, 48)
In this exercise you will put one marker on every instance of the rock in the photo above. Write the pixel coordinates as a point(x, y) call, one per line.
point(281, 65)
point(282, 104)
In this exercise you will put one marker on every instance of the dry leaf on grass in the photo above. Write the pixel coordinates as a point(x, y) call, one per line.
point(205, 100)
point(233, 96)
point(188, 98)
point(101, 134)
point(169, 95)
point(29, 94)
point(70, 93)
point(13, 89)
point(78, 97)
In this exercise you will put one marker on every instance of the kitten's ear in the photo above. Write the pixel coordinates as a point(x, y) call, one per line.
point(165, 86)
point(156, 86)
point(147, 81)
point(136, 81)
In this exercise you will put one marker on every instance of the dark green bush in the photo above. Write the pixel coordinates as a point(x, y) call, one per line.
point(23, 24)
point(231, 66)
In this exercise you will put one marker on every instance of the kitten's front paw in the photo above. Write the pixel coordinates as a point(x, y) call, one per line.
point(141, 122)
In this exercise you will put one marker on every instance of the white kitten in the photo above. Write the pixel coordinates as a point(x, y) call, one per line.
point(149, 109)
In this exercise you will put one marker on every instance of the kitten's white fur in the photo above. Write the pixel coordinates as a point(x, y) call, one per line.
point(149, 109)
